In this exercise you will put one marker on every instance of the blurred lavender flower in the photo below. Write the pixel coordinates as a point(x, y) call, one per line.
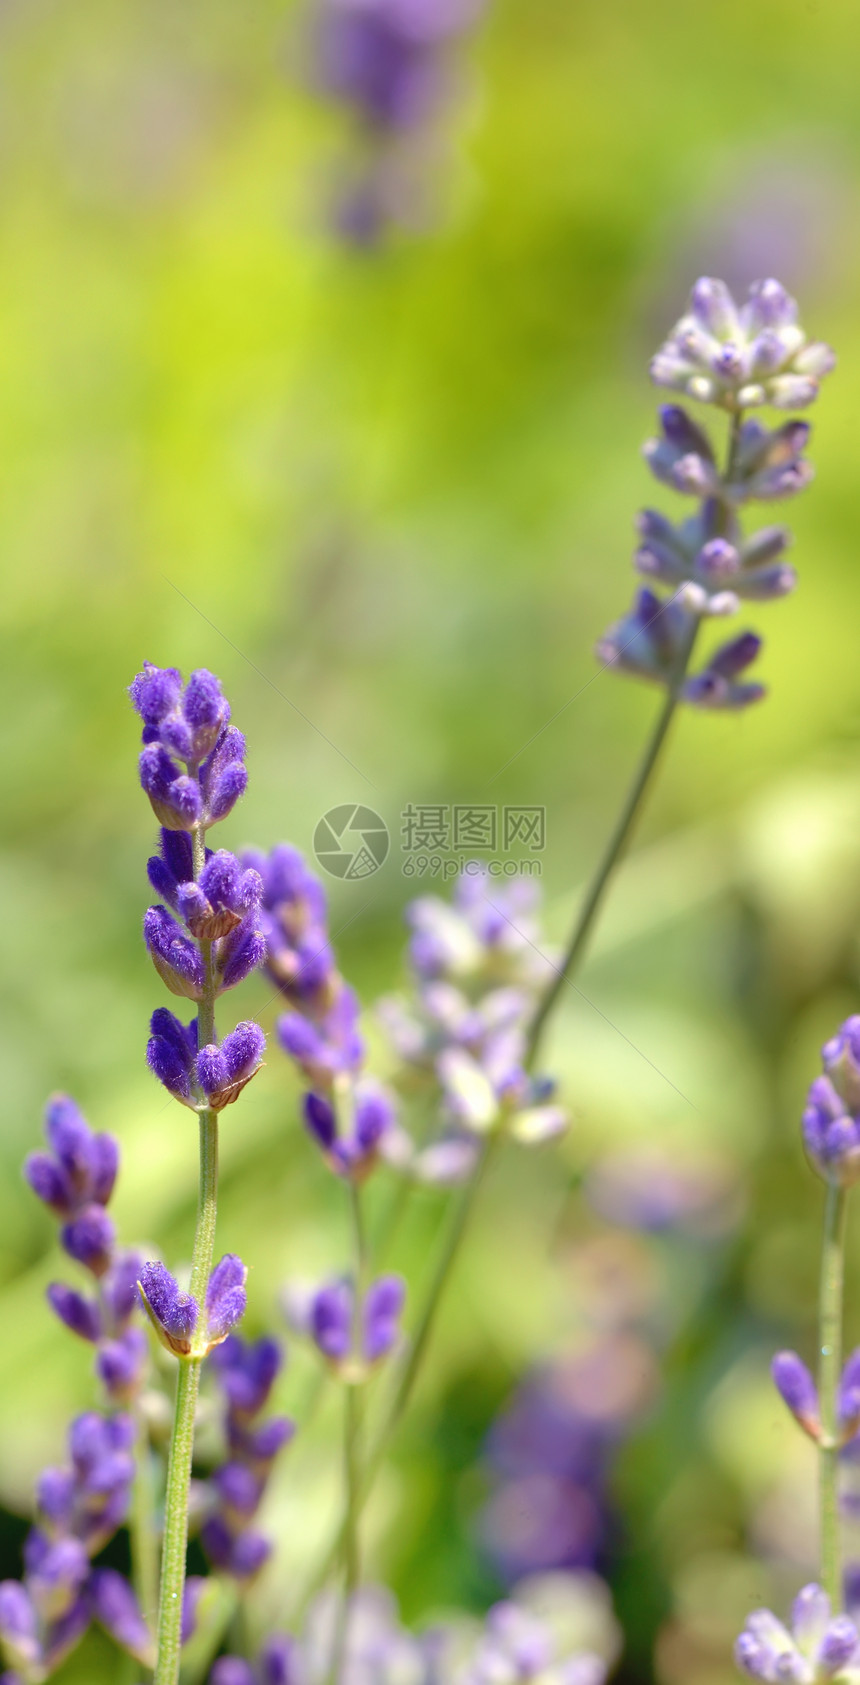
point(734, 357)
point(390, 62)
point(327, 1315)
point(275, 1664)
point(740, 356)
point(831, 1121)
point(246, 1373)
point(555, 1629)
point(478, 972)
point(80, 1506)
point(551, 1453)
point(659, 1190)
point(76, 1180)
point(354, 1152)
point(818, 1647)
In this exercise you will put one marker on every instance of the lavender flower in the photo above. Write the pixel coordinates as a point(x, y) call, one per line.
point(818, 1647)
point(178, 960)
point(734, 357)
point(389, 61)
point(740, 356)
point(555, 1629)
point(276, 1664)
point(191, 727)
point(76, 1180)
point(831, 1121)
point(246, 1373)
point(552, 1450)
point(175, 1315)
point(349, 1344)
point(80, 1170)
point(352, 1151)
point(214, 1077)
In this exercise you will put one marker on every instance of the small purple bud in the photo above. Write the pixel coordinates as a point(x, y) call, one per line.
point(797, 1389)
point(838, 1645)
point(79, 1314)
point(175, 957)
point(89, 1238)
point(382, 1308)
point(114, 1605)
point(330, 1323)
point(238, 1488)
point(155, 692)
point(247, 1371)
point(121, 1365)
point(55, 1496)
point(226, 1298)
point(173, 1314)
point(50, 1183)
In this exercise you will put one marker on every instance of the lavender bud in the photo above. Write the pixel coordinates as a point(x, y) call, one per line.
point(19, 1626)
point(114, 1605)
point(247, 1371)
point(175, 957)
point(382, 1310)
point(173, 1314)
point(89, 1238)
point(837, 1646)
point(171, 1054)
point(121, 1365)
point(222, 1072)
point(797, 1389)
point(79, 1314)
point(225, 1298)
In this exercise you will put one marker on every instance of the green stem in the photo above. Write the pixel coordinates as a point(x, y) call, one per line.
point(173, 1562)
point(623, 828)
point(829, 1373)
point(618, 839)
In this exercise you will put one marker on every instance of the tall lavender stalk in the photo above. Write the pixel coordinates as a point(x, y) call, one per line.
point(733, 358)
point(215, 946)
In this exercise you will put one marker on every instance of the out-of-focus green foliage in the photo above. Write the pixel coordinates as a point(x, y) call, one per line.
point(388, 498)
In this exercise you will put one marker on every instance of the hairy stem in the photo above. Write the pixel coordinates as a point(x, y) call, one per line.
point(188, 1379)
point(829, 1372)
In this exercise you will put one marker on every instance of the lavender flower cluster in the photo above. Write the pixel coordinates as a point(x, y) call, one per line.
point(732, 357)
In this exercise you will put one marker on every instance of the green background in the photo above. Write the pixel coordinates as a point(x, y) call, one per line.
point(388, 497)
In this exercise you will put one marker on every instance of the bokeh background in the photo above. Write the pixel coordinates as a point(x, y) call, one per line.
point(387, 493)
